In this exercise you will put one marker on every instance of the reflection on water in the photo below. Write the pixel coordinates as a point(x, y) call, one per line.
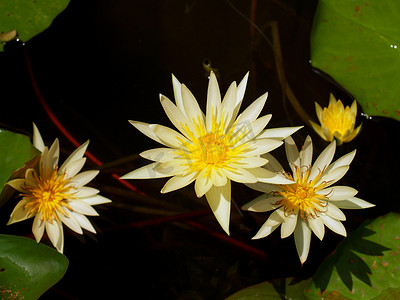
point(103, 63)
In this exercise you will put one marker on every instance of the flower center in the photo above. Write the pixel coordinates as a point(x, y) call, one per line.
point(48, 196)
point(339, 120)
point(301, 196)
point(213, 148)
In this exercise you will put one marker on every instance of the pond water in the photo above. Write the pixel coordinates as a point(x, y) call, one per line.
point(103, 63)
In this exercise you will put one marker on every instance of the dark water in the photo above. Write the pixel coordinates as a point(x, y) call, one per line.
point(102, 63)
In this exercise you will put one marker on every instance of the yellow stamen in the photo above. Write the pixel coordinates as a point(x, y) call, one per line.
point(48, 196)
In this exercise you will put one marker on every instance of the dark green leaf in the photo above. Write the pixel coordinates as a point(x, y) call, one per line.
point(357, 43)
point(28, 269)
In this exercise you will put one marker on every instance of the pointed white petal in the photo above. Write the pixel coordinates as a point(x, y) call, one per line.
point(345, 160)
point(289, 224)
point(218, 177)
point(280, 133)
point(228, 103)
point(38, 228)
point(249, 162)
point(147, 129)
point(239, 175)
point(264, 175)
point(174, 114)
point(203, 183)
point(70, 221)
point(84, 222)
point(85, 191)
point(334, 212)
point(82, 208)
point(17, 184)
point(178, 181)
point(145, 172)
point(239, 97)
point(273, 222)
point(306, 154)
point(75, 156)
point(292, 155)
point(170, 137)
point(173, 167)
point(264, 187)
point(253, 111)
point(263, 203)
point(259, 146)
point(302, 239)
point(273, 164)
point(353, 203)
point(56, 235)
point(73, 167)
point(94, 200)
point(192, 109)
point(257, 126)
point(19, 213)
point(333, 224)
point(317, 226)
point(219, 199)
point(323, 160)
point(83, 178)
point(177, 86)
point(213, 102)
point(160, 154)
point(336, 193)
point(37, 140)
point(333, 176)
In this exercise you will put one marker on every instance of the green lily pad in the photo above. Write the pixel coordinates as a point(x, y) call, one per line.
point(15, 150)
point(28, 17)
point(356, 42)
point(287, 288)
point(364, 266)
point(28, 269)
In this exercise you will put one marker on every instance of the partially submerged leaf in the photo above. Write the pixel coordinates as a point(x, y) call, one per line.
point(28, 17)
point(357, 43)
point(28, 269)
point(15, 150)
point(365, 265)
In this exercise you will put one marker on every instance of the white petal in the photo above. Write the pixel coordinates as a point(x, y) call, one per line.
point(173, 167)
point(192, 109)
point(82, 208)
point(264, 187)
point(38, 227)
point(56, 235)
point(257, 126)
point(302, 238)
point(219, 199)
point(292, 155)
point(306, 154)
point(228, 103)
point(160, 154)
point(280, 133)
point(203, 183)
point(17, 184)
point(345, 160)
point(239, 97)
point(37, 140)
point(253, 111)
point(177, 86)
point(317, 226)
point(249, 162)
point(273, 164)
point(335, 212)
point(262, 203)
point(83, 178)
point(170, 137)
point(94, 200)
point(145, 172)
point(323, 160)
point(84, 222)
point(178, 182)
point(70, 221)
point(146, 129)
point(73, 167)
point(239, 175)
point(336, 193)
point(85, 191)
point(353, 203)
point(273, 222)
point(259, 146)
point(19, 213)
point(218, 178)
point(289, 224)
point(174, 114)
point(333, 176)
point(264, 175)
point(333, 224)
point(213, 101)
point(75, 156)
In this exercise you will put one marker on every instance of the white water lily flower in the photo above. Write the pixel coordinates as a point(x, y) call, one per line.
point(56, 195)
point(211, 149)
point(311, 203)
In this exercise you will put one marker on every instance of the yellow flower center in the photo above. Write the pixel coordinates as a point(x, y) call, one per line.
point(338, 119)
point(300, 196)
point(48, 196)
point(213, 149)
